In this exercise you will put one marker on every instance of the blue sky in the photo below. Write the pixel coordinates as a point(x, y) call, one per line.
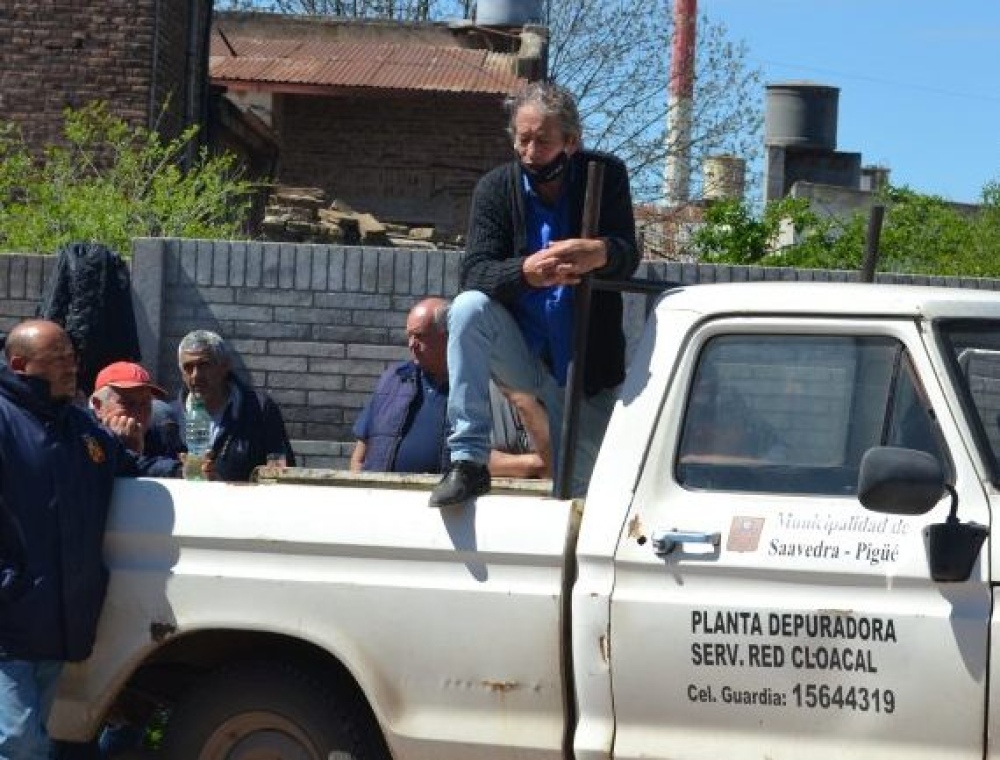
point(919, 80)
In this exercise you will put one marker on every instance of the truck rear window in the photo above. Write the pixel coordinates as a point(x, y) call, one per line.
point(795, 413)
point(973, 347)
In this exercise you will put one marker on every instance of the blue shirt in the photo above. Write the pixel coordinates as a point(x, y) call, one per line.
point(545, 315)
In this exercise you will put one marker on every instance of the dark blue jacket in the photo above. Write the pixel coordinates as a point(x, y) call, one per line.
point(248, 433)
point(162, 444)
point(161, 448)
point(57, 469)
point(389, 411)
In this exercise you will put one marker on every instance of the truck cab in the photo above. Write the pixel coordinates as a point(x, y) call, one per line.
point(757, 607)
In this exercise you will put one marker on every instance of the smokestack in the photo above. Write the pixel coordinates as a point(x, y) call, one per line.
point(677, 174)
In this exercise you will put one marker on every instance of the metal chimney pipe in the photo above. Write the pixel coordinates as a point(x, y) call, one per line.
point(677, 173)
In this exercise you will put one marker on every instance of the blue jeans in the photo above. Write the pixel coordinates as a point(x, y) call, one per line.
point(484, 341)
point(26, 693)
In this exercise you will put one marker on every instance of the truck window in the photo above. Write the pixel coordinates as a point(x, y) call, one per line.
point(973, 346)
point(795, 413)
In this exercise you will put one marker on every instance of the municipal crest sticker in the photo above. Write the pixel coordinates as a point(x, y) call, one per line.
point(94, 449)
point(744, 534)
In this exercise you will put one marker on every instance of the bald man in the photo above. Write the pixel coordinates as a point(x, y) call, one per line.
point(57, 468)
point(404, 428)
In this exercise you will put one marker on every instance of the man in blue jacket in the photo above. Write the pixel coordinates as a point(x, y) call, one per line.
point(57, 468)
point(403, 427)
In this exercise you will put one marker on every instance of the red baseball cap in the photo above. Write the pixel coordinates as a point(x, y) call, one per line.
point(127, 375)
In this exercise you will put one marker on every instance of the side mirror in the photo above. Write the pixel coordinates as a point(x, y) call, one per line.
point(908, 482)
point(900, 481)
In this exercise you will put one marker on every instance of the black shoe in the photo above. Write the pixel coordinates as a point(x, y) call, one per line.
point(463, 482)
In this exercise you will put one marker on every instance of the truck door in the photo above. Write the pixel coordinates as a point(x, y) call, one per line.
point(759, 610)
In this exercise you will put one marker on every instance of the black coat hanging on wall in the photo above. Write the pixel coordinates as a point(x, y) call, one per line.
point(89, 293)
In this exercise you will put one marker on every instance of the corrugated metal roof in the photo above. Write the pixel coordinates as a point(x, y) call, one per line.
point(329, 63)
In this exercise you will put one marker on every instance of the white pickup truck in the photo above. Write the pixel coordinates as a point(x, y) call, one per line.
point(783, 554)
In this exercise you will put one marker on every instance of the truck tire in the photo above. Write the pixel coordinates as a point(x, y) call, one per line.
point(266, 710)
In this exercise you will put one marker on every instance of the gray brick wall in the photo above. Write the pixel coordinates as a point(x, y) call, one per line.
point(21, 282)
point(315, 325)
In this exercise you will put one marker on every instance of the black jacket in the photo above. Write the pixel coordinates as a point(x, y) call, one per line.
point(89, 294)
point(162, 444)
point(497, 246)
point(57, 469)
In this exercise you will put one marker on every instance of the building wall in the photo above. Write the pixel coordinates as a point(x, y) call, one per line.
point(786, 165)
point(315, 325)
point(410, 158)
point(22, 278)
point(57, 54)
point(179, 64)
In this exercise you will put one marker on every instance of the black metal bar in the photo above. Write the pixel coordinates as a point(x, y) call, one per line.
point(870, 263)
point(654, 287)
point(581, 327)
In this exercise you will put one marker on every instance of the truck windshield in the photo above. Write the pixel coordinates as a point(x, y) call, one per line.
point(973, 347)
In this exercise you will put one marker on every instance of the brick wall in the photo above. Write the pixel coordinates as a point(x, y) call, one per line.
point(396, 157)
point(21, 282)
point(315, 325)
point(57, 54)
point(179, 65)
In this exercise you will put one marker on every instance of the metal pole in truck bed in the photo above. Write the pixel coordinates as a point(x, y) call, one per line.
point(581, 326)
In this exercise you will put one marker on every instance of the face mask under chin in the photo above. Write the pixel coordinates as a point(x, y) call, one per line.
point(551, 171)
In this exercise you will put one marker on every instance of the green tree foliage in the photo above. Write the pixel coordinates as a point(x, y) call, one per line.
point(920, 234)
point(732, 234)
point(109, 182)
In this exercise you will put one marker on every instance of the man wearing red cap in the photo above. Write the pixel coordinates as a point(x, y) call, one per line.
point(123, 399)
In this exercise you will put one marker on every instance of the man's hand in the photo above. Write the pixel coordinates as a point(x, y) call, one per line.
point(206, 465)
point(128, 430)
point(358, 456)
point(564, 262)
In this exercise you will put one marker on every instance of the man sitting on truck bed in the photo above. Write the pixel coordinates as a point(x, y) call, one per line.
point(514, 320)
point(403, 427)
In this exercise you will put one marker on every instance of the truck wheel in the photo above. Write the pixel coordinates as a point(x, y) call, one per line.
point(263, 711)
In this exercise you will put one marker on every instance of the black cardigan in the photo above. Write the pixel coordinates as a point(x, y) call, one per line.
point(497, 246)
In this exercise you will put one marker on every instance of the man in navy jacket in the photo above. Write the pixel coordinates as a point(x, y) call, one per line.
point(247, 425)
point(403, 426)
point(57, 468)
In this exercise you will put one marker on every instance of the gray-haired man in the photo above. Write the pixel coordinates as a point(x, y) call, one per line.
point(246, 424)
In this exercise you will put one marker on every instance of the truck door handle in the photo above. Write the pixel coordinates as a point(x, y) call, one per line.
point(665, 541)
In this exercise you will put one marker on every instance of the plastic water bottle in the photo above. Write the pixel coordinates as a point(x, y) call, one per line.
point(197, 436)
